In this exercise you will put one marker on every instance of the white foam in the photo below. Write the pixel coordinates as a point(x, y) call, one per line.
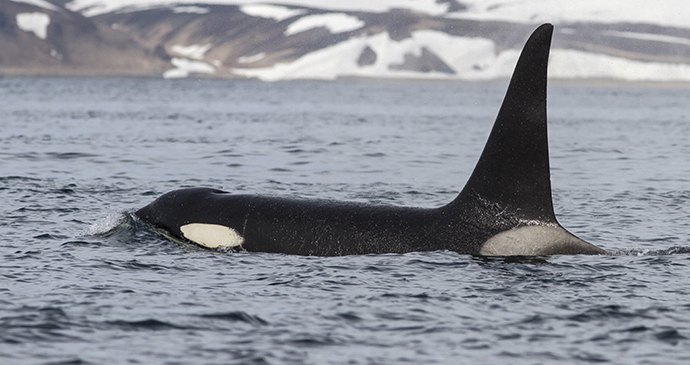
point(196, 51)
point(334, 22)
point(184, 67)
point(105, 225)
point(36, 23)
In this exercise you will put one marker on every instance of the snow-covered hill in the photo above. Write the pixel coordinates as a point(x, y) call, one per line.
point(292, 39)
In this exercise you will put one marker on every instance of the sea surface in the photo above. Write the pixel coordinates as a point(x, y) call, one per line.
point(83, 282)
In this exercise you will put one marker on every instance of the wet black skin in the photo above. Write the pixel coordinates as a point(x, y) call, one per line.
point(509, 188)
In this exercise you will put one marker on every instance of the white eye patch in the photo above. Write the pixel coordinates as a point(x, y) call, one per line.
point(212, 235)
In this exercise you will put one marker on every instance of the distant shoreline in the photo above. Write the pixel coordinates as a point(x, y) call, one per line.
point(598, 83)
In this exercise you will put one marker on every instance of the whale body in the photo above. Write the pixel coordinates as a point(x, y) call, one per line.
point(505, 208)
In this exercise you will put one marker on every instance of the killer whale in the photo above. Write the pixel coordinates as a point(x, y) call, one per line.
point(505, 208)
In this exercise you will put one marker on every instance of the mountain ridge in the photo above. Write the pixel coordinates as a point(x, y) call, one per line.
point(277, 42)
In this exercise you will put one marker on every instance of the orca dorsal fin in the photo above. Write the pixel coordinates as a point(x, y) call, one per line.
point(513, 170)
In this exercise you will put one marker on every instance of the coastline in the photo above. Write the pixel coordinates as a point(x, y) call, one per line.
point(555, 82)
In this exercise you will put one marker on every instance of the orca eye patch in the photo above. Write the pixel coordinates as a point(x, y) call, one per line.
point(212, 235)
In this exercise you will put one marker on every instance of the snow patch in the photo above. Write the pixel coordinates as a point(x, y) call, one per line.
point(662, 12)
point(190, 9)
point(649, 37)
point(570, 64)
point(278, 13)
point(472, 59)
point(34, 22)
point(469, 58)
point(40, 3)
point(183, 67)
point(195, 51)
point(252, 58)
point(56, 54)
point(91, 8)
point(336, 23)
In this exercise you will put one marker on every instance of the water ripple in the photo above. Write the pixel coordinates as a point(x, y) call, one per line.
point(83, 281)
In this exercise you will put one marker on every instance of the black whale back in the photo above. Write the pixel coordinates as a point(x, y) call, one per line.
point(505, 208)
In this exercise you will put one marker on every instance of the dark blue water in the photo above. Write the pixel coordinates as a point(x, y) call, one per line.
point(83, 283)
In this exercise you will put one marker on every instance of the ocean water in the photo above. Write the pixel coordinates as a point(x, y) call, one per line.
point(82, 282)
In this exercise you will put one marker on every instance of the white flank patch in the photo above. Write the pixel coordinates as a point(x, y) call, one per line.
point(271, 11)
point(34, 22)
point(191, 10)
point(40, 3)
point(212, 235)
point(336, 23)
point(534, 241)
point(195, 51)
point(252, 58)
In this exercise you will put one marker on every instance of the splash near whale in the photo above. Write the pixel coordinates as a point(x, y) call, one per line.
point(504, 209)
